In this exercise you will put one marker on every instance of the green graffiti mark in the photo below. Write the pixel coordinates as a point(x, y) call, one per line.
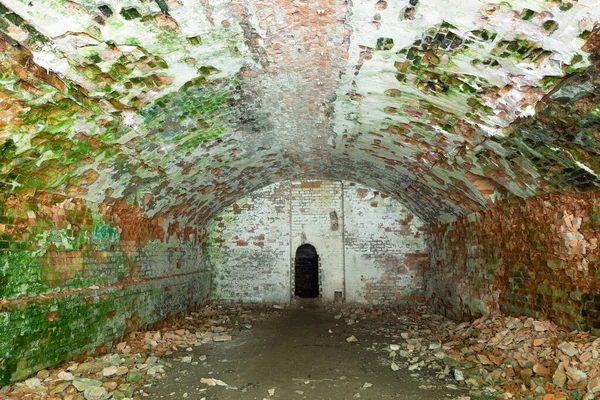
point(106, 232)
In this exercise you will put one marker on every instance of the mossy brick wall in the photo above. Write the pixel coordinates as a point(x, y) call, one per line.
point(75, 276)
point(537, 257)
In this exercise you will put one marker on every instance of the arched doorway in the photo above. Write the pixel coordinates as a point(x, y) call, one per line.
point(307, 272)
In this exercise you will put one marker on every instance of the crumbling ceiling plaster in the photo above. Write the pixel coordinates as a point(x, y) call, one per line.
point(183, 106)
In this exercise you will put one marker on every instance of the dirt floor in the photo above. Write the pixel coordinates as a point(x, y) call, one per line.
point(343, 352)
point(299, 354)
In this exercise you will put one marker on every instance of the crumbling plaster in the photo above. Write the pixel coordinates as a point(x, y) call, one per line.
point(184, 106)
point(126, 125)
point(371, 249)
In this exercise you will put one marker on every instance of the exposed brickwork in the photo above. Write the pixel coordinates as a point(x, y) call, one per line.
point(75, 275)
point(125, 127)
point(42, 331)
point(369, 245)
point(537, 257)
point(385, 248)
point(313, 205)
point(248, 248)
point(185, 107)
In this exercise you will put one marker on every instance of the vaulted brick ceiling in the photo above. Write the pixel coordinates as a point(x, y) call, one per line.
point(184, 105)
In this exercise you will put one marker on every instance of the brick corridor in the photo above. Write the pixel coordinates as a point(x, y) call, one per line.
point(160, 156)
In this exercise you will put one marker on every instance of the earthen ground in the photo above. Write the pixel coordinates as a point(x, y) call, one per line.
point(295, 354)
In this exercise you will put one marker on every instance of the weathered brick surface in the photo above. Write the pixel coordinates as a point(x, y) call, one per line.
point(385, 248)
point(186, 106)
point(40, 332)
point(317, 219)
point(125, 128)
point(537, 257)
point(75, 275)
point(248, 248)
point(369, 245)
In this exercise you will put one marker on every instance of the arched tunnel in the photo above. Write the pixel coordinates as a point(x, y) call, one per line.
point(161, 157)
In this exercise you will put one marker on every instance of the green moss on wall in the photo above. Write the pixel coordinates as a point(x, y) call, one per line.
point(192, 116)
point(42, 333)
point(20, 273)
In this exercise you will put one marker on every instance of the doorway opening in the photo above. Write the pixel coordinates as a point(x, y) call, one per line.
point(307, 272)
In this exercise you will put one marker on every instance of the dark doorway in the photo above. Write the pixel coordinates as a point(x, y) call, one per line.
point(307, 272)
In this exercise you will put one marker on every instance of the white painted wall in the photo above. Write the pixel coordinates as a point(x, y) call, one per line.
point(249, 248)
point(312, 204)
point(385, 248)
point(374, 252)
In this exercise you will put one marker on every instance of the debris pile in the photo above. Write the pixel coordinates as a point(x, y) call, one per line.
point(122, 373)
point(497, 356)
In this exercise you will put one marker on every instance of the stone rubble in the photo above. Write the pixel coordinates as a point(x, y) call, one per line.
point(136, 361)
point(495, 356)
point(213, 382)
point(351, 339)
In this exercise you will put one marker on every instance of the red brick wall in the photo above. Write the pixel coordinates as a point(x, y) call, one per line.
point(75, 276)
point(537, 257)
